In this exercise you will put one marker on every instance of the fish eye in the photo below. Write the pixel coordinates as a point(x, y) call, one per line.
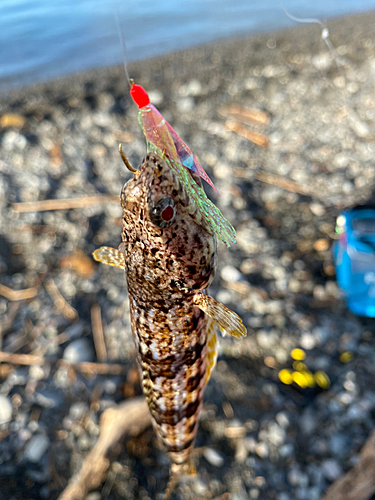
point(163, 212)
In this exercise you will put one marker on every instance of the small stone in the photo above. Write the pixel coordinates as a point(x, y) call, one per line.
point(14, 140)
point(230, 273)
point(77, 410)
point(36, 448)
point(307, 423)
point(321, 245)
point(286, 450)
point(36, 372)
point(331, 469)
point(322, 61)
point(213, 457)
point(199, 486)
point(261, 450)
point(297, 478)
point(282, 419)
point(308, 341)
point(317, 209)
point(186, 104)
point(283, 496)
point(192, 88)
point(156, 97)
point(94, 495)
point(314, 493)
point(6, 410)
point(79, 350)
point(339, 444)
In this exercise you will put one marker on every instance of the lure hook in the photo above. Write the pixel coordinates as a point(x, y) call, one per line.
point(126, 161)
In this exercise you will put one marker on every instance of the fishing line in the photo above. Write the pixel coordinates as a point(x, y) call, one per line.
point(324, 35)
point(120, 33)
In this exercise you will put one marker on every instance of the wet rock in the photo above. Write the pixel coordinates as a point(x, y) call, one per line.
point(36, 448)
point(6, 410)
point(331, 469)
point(213, 457)
point(78, 351)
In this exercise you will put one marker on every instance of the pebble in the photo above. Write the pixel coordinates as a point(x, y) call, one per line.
point(192, 88)
point(308, 422)
point(230, 273)
point(156, 97)
point(317, 209)
point(261, 449)
point(6, 410)
point(331, 469)
point(78, 351)
point(14, 140)
point(78, 410)
point(36, 448)
point(213, 457)
point(94, 495)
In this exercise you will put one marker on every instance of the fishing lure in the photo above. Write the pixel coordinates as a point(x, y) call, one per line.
point(168, 252)
point(164, 140)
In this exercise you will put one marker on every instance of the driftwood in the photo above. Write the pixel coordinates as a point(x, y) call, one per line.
point(129, 419)
point(359, 482)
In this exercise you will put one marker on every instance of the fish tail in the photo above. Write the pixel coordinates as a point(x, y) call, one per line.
point(177, 471)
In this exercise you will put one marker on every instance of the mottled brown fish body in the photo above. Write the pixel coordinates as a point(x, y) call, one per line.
point(173, 363)
point(165, 267)
point(169, 256)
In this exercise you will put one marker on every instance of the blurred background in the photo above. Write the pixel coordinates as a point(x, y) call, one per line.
point(285, 127)
point(40, 39)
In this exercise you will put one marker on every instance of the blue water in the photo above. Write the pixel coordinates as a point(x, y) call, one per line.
point(43, 39)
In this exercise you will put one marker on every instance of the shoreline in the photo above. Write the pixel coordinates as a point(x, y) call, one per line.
point(301, 38)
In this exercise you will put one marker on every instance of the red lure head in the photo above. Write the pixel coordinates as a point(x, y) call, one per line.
point(139, 95)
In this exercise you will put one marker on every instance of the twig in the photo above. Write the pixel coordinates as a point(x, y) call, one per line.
point(281, 182)
point(81, 202)
point(246, 115)
point(250, 135)
point(66, 310)
point(21, 359)
point(359, 482)
point(129, 419)
point(97, 332)
point(98, 368)
point(245, 289)
point(83, 366)
point(13, 295)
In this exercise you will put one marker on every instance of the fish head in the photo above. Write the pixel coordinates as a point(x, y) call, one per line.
point(165, 241)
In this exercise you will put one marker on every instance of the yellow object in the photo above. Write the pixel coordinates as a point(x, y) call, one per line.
point(346, 357)
point(322, 380)
point(309, 377)
point(300, 379)
point(285, 376)
point(299, 367)
point(298, 354)
point(12, 120)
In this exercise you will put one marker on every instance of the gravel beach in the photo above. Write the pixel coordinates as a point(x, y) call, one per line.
point(288, 136)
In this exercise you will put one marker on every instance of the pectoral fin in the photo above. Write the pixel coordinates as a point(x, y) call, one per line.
point(227, 319)
point(110, 256)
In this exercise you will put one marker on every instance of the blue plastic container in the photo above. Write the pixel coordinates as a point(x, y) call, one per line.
point(354, 254)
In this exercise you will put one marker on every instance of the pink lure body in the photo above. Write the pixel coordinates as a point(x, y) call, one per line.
point(162, 136)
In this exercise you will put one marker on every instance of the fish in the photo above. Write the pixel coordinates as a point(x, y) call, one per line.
point(169, 255)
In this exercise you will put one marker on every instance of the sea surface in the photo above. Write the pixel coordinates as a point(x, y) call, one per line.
point(44, 39)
